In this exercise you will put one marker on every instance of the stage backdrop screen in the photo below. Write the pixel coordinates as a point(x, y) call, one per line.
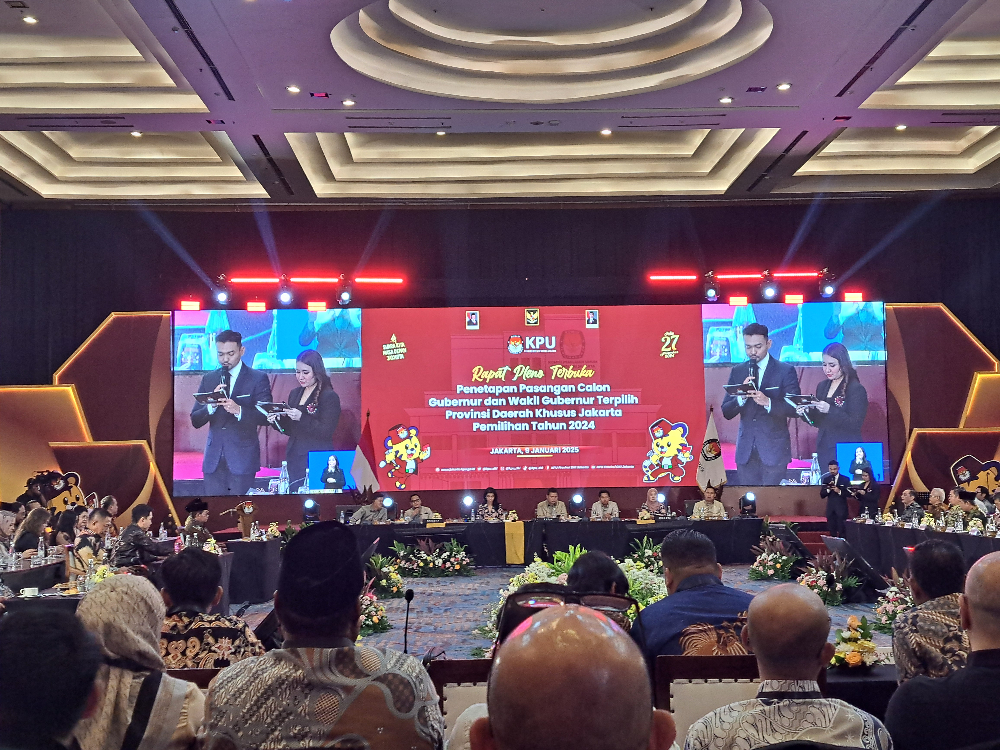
point(534, 397)
point(216, 455)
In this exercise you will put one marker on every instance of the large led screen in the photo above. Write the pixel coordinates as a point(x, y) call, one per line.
point(222, 453)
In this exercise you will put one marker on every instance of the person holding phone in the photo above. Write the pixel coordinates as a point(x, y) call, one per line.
point(311, 417)
point(868, 494)
point(841, 404)
point(834, 492)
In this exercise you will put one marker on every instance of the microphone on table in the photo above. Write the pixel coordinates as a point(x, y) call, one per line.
point(406, 623)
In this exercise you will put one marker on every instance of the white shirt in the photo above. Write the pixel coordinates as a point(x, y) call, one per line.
point(233, 374)
point(762, 366)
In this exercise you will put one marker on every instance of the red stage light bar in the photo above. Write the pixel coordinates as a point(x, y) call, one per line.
point(673, 277)
point(256, 307)
point(316, 306)
point(253, 280)
point(377, 280)
point(738, 276)
point(853, 297)
point(738, 301)
point(796, 275)
point(190, 304)
point(315, 279)
point(794, 299)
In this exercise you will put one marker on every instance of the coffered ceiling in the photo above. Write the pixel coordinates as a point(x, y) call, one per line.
point(319, 102)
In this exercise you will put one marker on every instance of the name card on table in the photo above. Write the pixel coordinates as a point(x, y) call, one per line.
point(870, 522)
point(439, 525)
point(648, 520)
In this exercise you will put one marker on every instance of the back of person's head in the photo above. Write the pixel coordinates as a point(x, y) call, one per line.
point(191, 577)
point(596, 571)
point(320, 581)
point(125, 614)
point(98, 514)
point(569, 679)
point(685, 549)
point(48, 667)
point(108, 501)
point(140, 511)
point(981, 603)
point(938, 568)
point(787, 629)
point(65, 524)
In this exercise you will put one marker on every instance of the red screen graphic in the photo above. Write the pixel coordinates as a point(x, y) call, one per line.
point(464, 399)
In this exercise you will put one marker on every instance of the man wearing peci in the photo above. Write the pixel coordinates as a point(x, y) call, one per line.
point(232, 452)
point(763, 445)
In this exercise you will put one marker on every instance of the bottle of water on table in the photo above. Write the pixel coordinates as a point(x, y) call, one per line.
point(815, 475)
point(283, 479)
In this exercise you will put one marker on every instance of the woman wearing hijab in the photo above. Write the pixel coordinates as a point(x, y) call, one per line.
point(141, 704)
point(8, 522)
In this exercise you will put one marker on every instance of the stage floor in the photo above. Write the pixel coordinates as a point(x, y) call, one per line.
point(446, 610)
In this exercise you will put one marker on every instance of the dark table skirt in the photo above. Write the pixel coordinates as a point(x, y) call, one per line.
point(255, 568)
point(869, 689)
point(884, 547)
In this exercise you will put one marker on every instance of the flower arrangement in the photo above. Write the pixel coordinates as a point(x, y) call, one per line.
point(774, 561)
point(433, 560)
point(827, 576)
point(854, 646)
point(512, 515)
point(212, 546)
point(976, 527)
point(272, 530)
point(896, 599)
point(385, 577)
point(927, 520)
point(373, 616)
point(103, 572)
point(645, 586)
point(646, 553)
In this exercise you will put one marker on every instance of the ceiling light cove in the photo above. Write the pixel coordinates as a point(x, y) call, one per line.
point(509, 50)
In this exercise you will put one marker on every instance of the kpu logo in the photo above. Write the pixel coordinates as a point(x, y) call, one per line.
point(518, 344)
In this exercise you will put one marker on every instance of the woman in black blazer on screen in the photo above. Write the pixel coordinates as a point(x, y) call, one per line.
point(311, 417)
point(841, 404)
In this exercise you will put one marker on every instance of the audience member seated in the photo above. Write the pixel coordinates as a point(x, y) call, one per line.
point(569, 678)
point(928, 639)
point(192, 638)
point(551, 506)
point(32, 529)
point(417, 511)
point(110, 504)
point(701, 616)
point(155, 711)
point(605, 508)
point(374, 513)
point(135, 546)
point(8, 522)
point(936, 505)
point(48, 678)
point(964, 504)
point(64, 533)
point(195, 531)
point(90, 545)
point(596, 572)
point(787, 630)
point(959, 710)
point(322, 688)
point(984, 502)
point(912, 511)
point(711, 508)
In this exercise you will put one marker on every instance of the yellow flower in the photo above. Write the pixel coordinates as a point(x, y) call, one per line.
point(853, 622)
point(853, 659)
point(374, 619)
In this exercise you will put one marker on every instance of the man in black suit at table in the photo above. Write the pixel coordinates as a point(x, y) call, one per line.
point(763, 445)
point(835, 493)
point(232, 453)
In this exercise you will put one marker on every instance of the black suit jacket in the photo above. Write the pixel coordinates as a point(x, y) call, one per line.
point(236, 439)
point(768, 431)
point(842, 482)
point(314, 432)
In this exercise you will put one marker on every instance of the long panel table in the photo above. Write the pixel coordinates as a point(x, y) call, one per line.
point(486, 543)
point(884, 546)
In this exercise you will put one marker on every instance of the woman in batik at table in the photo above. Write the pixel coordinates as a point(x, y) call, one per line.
point(490, 509)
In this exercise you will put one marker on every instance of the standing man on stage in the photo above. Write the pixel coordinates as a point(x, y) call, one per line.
point(763, 445)
point(834, 492)
point(232, 453)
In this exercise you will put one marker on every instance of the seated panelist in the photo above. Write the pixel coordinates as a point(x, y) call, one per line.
point(653, 507)
point(417, 511)
point(551, 507)
point(711, 508)
point(605, 509)
point(373, 513)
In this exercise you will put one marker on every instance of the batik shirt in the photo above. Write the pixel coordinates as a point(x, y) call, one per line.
point(786, 710)
point(192, 640)
point(356, 698)
point(929, 639)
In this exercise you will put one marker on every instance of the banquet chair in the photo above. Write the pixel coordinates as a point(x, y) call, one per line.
point(461, 682)
point(200, 677)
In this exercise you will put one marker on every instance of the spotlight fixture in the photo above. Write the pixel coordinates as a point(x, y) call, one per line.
point(222, 294)
point(30, 20)
point(783, 86)
point(285, 295)
point(292, 89)
point(310, 511)
point(900, 127)
point(712, 290)
point(348, 102)
point(769, 289)
point(826, 286)
point(606, 131)
point(726, 100)
point(256, 306)
point(136, 134)
point(748, 504)
point(190, 305)
point(660, 497)
point(386, 501)
point(467, 501)
point(578, 499)
point(344, 293)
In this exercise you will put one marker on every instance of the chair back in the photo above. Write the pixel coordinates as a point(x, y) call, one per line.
point(806, 745)
point(200, 677)
point(461, 682)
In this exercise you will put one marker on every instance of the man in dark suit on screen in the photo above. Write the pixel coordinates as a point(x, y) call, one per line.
point(232, 453)
point(763, 446)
